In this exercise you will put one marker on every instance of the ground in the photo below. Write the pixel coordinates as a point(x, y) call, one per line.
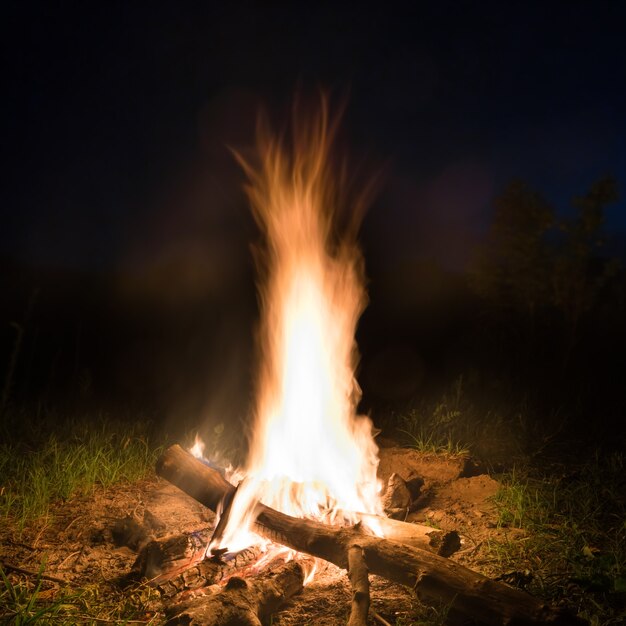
point(80, 541)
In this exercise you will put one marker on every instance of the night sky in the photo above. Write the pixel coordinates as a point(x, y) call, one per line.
point(117, 118)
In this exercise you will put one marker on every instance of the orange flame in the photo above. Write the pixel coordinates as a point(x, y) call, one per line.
point(310, 454)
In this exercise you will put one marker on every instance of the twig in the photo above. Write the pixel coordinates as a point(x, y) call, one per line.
point(72, 522)
point(5, 617)
point(220, 527)
point(43, 528)
point(104, 620)
point(68, 557)
point(21, 570)
point(23, 545)
point(469, 550)
point(379, 618)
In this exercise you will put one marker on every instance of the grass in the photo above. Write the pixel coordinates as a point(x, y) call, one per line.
point(26, 602)
point(439, 427)
point(39, 467)
point(466, 418)
point(44, 461)
point(573, 549)
point(429, 443)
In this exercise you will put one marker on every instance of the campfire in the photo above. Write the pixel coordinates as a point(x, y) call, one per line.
point(309, 491)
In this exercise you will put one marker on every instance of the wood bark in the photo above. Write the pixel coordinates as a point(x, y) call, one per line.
point(243, 602)
point(470, 598)
point(357, 573)
point(441, 542)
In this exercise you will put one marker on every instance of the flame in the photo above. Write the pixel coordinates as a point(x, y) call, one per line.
point(310, 454)
point(198, 447)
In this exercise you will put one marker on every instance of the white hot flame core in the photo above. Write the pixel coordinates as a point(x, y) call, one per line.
point(311, 455)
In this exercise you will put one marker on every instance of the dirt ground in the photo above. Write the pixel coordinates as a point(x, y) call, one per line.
point(80, 543)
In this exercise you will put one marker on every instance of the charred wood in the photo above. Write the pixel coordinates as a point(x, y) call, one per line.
point(243, 602)
point(177, 564)
point(161, 559)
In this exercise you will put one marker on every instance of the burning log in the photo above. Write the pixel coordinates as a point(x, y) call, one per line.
point(209, 487)
point(471, 597)
point(161, 559)
point(176, 564)
point(243, 602)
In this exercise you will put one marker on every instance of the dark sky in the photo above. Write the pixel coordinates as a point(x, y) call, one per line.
point(117, 115)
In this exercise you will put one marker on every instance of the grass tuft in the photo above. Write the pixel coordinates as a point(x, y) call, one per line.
point(40, 467)
point(437, 429)
point(573, 549)
point(429, 443)
point(25, 602)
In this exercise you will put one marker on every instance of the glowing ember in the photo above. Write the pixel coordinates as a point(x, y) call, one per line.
point(310, 454)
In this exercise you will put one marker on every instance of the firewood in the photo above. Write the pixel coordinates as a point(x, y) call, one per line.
point(470, 597)
point(176, 564)
point(357, 573)
point(183, 470)
point(441, 542)
point(243, 602)
point(396, 497)
point(161, 559)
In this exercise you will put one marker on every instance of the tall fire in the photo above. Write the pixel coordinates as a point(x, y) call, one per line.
point(310, 482)
point(310, 454)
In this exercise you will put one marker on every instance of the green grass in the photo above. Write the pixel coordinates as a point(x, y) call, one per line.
point(25, 602)
point(42, 463)
point(465, 418)
point(439, 427)
point(429, 443)
point(573, 549)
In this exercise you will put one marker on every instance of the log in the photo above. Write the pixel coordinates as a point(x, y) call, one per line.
point(441, 542)
point(469, 596)
point(161, 559)
point(243, 602)
point(210, 487)
point(175, 564)
point(357, 573)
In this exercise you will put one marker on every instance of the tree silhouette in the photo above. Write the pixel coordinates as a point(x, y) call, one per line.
point(511, 267)
point(580, 272)
point(531, 262)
